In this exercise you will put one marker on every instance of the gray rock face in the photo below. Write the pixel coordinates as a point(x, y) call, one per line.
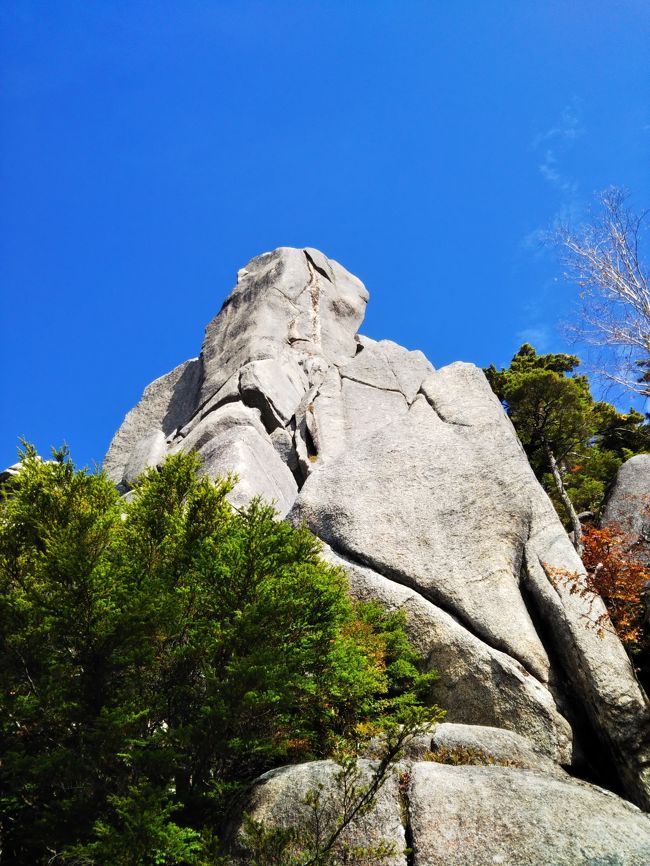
point(501, 746)
point(416, 532)
point(277, 800)
point(232, 440)
point(165, 406)
point(468, 815)
point(478, 685)
point(479, 816)
point(452, 510)
point(416, 480)
point(628, 505)
point(285, 300)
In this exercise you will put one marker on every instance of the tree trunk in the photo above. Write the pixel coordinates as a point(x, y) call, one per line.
point(564, 496)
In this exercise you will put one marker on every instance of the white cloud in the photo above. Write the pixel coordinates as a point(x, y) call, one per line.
point(555, 141)
point(568, 127)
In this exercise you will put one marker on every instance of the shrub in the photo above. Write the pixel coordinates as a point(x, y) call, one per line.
point(158, 654)
point(621, 579)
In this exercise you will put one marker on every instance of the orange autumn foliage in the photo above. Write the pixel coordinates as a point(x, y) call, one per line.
point(620, 579)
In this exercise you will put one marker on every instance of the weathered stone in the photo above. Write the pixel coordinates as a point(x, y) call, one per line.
point(501, 746)
point(453, 743)
point(277, 800)
point(443, 500)
point(350, 403)
point(228, 393)
point(441, 508)
point(596, 665)
point(628, 505)
point(343, 411)
point(481, 816)
point(289, 297)
point(462, 815)
point(387, 366)
point(148, 451)
point(166, 405)
point(232, 440)
point(275, 387)
point(478, 685)
point(283, 442)
point(460, 394)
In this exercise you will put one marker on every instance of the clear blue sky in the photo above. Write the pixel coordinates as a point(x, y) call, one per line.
point(149, 149)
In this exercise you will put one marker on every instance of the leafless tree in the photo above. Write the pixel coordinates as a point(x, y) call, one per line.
point(603, 257)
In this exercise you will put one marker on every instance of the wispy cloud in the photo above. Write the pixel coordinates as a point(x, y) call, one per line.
point(554, 142)
point(535, 243)
point(567, 128)
point(551, 147)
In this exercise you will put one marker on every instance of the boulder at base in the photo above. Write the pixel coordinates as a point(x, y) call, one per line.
point(461, 816)
point(628, 505)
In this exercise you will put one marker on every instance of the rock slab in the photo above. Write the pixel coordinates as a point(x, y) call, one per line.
point(628, 505)
point(465, 815)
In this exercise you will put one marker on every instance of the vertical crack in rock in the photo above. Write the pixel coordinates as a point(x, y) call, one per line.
point(611, 752)
point(403, 785)
point(314, 290)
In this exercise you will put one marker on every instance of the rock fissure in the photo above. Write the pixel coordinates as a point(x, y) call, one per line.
point(404, 783)
point(314, 292)
point(200, 415)
point(317, 267)
point(439, 413)
point(430, 597)
point(372, 385)
point(391, 366)
point(287, 298)
point(613, 741)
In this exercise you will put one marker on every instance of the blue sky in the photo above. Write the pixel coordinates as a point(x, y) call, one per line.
point(149, 149)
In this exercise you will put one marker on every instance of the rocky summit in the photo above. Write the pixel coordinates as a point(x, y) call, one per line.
point(416, 483)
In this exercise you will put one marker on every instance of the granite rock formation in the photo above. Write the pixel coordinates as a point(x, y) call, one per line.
point(417, 484)
point(465, 815)
point(628, 505)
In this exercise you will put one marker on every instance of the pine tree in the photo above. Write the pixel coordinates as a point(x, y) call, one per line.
point(157, 654)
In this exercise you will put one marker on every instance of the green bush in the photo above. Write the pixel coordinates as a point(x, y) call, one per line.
point(159, 653)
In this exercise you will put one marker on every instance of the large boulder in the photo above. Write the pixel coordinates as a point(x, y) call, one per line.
point(493, 745)
point(459, 815)
point(628, 505)
point(416, 480)
point(280, 799)
point(481, 816)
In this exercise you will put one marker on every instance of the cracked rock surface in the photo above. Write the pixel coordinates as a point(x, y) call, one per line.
point(416, 481)
point(433, 814)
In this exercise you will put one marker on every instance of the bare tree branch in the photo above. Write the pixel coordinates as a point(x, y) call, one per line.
point(603, 258)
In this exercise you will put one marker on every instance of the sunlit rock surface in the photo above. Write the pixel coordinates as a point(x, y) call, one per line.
point(416, 481)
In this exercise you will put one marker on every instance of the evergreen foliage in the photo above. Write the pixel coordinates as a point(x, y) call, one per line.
point(559, 422)
point(157, 654)
point(552, 409)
